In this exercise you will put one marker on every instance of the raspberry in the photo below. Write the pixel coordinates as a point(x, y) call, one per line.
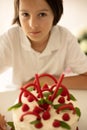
point(45, 87)
point(61, 100)
point(30, 98)
point(38, 125)
point(44, 106)
point(37, 109)
point(46, 115)
point(26, 94)
point(66, 117)
point(25, 107)
point(56, 123)
point(64, 93)
point(50, 97)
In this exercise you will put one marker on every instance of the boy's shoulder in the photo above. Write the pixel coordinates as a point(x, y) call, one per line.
point(62, 30)
point(14, 28)
point(12, 31)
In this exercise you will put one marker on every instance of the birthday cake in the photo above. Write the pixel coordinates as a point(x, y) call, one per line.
point(40, 106)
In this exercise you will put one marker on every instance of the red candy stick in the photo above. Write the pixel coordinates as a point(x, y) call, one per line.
point(24, 90)
point(57, 87)
point(66, 106)
point(28, 113)
point(38, 86)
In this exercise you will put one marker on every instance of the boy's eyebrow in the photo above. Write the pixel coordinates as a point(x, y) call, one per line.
point(23, 10)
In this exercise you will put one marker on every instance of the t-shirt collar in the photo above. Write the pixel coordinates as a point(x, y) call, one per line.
point(53, 43)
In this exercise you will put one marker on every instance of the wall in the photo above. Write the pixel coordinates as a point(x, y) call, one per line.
point(74, 17)
point(6, 14)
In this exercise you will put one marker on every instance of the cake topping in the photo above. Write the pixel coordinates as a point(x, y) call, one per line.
point(66, 117)
point(38, 125)
point(61, 100)
point(65, 107)
point(56, 123)
point(46, 115)
point(25, 107)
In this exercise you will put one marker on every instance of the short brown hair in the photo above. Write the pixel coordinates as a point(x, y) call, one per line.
point(56, 6)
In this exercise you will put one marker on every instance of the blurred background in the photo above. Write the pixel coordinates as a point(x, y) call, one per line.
point(74, 18)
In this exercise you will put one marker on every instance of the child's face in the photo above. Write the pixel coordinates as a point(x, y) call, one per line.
point(36, 19)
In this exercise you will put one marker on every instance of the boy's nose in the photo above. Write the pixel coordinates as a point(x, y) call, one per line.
point(33, 22)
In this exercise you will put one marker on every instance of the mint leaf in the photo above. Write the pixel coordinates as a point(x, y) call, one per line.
point(65, 125)
point(35, 122)
point(11, 124)
point(57, 105)
point(48, 102)
point(41, 101)
point(46, 94)
point(78, 112)
point(15, 106)
point(59, 91)
point(72, 97)
point(30, 88)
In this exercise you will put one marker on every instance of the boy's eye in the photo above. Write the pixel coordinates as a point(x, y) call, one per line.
point(25, 14)
point(42, 14)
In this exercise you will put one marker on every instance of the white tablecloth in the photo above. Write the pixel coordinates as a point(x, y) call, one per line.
point(8, 98)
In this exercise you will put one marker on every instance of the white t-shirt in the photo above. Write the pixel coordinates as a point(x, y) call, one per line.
point(62, 51)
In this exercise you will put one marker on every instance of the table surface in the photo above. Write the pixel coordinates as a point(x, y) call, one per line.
point(7, 98)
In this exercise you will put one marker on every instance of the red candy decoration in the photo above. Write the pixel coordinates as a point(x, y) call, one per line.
point(66, 106)
point(57, 87)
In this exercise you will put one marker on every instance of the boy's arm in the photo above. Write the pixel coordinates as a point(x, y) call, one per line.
point(76, 82)
point(71, 82)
